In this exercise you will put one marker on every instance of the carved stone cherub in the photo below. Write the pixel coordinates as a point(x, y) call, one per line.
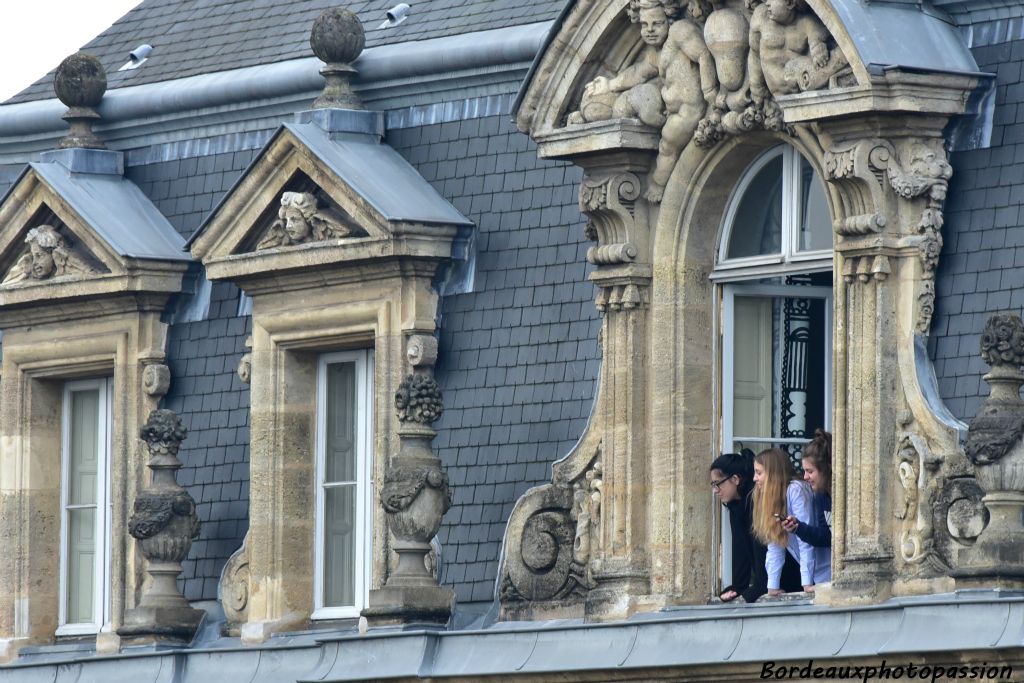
point(634, 92)
point(300, 220)
point(788, 50)
point(49, 256)
point(689, 86)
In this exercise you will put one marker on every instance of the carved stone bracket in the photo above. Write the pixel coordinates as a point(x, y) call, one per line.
point(233, 590)
point(156, 380)
point(610, 205)
point(553, 543)
point(861, 167)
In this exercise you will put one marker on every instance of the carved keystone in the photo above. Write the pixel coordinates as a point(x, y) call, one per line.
point(164, 523)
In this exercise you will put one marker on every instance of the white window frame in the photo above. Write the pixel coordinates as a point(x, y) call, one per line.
point(790, 259)
point(363, 360)
point(729, 294)
point(104, 505)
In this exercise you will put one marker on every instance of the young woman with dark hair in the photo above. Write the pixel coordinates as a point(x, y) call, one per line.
point(732, 482)
point(778, 494)
point(817, 465)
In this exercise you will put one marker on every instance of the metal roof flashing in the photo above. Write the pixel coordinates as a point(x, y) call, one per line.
point(92, 184)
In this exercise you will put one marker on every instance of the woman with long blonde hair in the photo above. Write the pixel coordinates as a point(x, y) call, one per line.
point(778, 494)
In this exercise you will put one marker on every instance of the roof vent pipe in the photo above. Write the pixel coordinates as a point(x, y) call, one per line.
point(137, 56)
point(396, 15)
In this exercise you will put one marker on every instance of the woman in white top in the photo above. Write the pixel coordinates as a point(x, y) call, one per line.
point(779, 493)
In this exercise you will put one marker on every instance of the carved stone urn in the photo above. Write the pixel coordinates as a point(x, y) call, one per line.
point(995, 447)
point(164, 523)
point(415, 496)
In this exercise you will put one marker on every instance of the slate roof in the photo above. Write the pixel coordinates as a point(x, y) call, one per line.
point(136, 230)
point(191, 37)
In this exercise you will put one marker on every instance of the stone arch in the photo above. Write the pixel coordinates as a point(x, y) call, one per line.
point(876, 138)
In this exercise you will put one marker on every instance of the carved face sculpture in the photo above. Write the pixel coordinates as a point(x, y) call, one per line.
point(781, 11)
point(295, 224)
point(42, 261)
point(653, 26)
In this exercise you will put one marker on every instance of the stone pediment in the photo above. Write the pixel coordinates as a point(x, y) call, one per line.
point(315, 196)
point(73, 227)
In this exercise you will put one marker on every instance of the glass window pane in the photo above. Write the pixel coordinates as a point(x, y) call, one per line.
point(779, 367)
point(757, 224)
point(81, 565)
point(339, 546)
point(340, 446)
point(84, 455)
point(815, 222)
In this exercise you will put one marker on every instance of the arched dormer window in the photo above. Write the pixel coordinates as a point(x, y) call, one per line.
point(778, 220)
point(774, 277)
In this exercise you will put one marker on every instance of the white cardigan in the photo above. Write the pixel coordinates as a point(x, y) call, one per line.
point(798, 503)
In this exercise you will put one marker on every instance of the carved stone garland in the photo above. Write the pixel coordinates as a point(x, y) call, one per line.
point(164, 523)
point(415, 496)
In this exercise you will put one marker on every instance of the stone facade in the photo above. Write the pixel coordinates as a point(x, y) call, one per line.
point(581, 283)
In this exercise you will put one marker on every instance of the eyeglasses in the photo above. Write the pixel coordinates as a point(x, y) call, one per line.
point(716, 485)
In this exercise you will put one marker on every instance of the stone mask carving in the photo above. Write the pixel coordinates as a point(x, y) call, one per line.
point(300, 220)
point(48, 257)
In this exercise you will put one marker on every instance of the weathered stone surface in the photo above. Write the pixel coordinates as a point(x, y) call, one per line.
point(736, 78)
point(164, 523)
point(337, 35)
point(80, 82)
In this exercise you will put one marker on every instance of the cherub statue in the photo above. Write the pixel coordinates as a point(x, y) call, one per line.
point(788, 50)
point(634, 92)
point(689, 86)
point(49, 256)
point(299, 220)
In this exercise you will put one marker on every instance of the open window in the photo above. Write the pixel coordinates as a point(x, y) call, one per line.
point(774, 277)
point(344, 469)
point(86, 507)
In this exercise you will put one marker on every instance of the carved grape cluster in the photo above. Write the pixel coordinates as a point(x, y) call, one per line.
point(418, 399)
point(1002, 341)
point(163, 426)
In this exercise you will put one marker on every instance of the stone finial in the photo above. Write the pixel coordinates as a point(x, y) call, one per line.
point(164, 522)
point(80, 83)
point(337, 39)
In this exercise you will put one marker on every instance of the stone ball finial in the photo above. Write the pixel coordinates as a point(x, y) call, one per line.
point(1002, 341)
point(80, 81)
point(337, 36)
